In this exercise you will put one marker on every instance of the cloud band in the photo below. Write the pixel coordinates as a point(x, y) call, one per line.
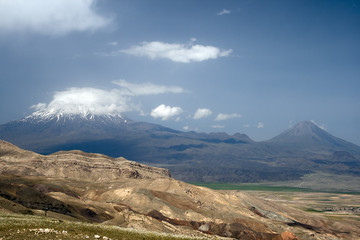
point(176, 52)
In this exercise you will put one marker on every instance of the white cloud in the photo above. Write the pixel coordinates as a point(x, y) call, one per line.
point(260, 125)
point(177, 52)
point(218, 126)
point(202, 113)
point(246, 125)
point(118, 100)
point(187, 128)
point(113, 43)
point(55, 17)
point(322, 126)
point(192, 40)
point(223, 116)
point(224, 11)
point(165, 112)
point(39, 106)
point(291, 123)
point(133, 89)
point(88, 100)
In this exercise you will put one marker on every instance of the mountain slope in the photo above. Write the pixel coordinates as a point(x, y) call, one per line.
point(97, 188)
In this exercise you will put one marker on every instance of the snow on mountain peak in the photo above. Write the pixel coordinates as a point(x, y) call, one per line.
point(86, 103)
point(303, 128)
point(59, 114)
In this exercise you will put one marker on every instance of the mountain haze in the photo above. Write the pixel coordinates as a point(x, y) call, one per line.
point(190, 156)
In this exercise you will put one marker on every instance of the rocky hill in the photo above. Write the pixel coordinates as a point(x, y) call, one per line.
point(96, 188)
point(73, 164)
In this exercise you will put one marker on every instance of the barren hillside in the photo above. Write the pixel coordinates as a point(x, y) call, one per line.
point(96, 188)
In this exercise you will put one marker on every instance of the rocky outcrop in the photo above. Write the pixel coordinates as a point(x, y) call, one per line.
point(286, 236)
point(73, 164)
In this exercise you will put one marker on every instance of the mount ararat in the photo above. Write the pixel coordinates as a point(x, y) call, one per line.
point(190, 156)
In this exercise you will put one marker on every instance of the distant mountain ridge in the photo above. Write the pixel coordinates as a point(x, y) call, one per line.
point(190, 156)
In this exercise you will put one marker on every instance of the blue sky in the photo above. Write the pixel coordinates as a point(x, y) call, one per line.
point(247, 66)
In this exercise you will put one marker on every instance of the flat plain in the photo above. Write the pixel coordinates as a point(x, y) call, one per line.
point(337, 206)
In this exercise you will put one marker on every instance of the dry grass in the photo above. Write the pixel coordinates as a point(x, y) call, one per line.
point(21, 227)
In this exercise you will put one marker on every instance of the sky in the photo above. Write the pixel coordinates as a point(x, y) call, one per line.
point(235, 66)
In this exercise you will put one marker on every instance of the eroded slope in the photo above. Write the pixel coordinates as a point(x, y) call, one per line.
point(96, 188)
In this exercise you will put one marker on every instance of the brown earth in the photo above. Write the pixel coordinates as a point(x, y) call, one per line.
point(96, 188)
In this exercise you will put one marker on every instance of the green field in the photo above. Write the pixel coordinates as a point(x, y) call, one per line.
point(254, 187)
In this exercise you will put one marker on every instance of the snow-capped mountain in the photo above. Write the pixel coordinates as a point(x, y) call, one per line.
point(190, 156)
point(60, 115)
point(48, 130)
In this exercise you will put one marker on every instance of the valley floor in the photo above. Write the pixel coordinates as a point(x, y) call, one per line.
point(335, 206)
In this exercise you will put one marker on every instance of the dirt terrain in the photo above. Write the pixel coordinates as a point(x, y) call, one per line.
point(79, 186)
point(338, 206)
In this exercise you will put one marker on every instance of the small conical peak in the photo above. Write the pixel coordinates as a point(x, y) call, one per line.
point(304, 128)
point(309, 135)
